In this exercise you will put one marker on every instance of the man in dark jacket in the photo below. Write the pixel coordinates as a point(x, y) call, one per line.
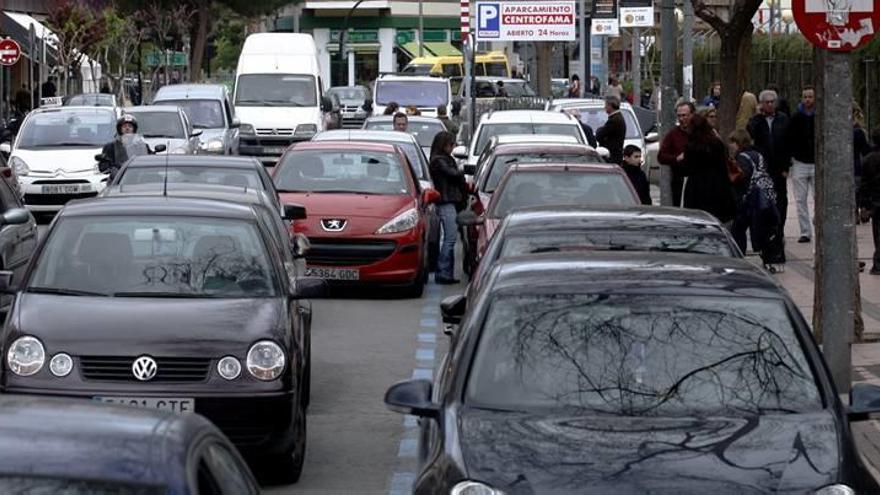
point(769, 130)
point(613, 133)
point(802, 144)
point(671, 151)
point(126, 145)
point(869, 196)
point(632, 165)
point(588, 131)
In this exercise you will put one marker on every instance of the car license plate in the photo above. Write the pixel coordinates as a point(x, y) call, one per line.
point(273, 150)
point(176, 404)
point(66, 189)
point(333, 273)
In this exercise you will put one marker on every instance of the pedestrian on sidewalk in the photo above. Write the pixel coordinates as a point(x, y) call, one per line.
point(711, 116)
point(781, 101)
point(861, 146)
point(574, 87)
point(748, 107)
point(671, 151)
point(802, 143)
point(769, 129)
point(755, 203)
point(613, 133)
point(714, 97)
point(614, 89)
point(450, 183)
point(632, 166)
point(869, 196)
point(708, 186)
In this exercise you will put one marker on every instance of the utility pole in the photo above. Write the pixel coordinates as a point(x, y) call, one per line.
point(421, 31)
point(688, 51)
point(582, 48)
point(636, 67)
point(667, 95)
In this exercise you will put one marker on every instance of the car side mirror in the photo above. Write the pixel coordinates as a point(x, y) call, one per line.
point(16, 216)
point(294, 212)
point(412, 397)
point(470, 169)
point(452, 309)
point(326, 104)
point(864, 400)
point(460, 152)
point(603, 152)
point(6, 286)
point(467, 218)
point(309, 288)
point(100, 157)
point(300, 246)
point(236, 123)
point(5, 148)
point(196, 133)
point(368, 105)
point(430, 196)
point(652, 137)
point(160, 148)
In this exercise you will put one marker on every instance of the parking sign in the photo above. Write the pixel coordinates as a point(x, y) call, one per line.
point(536, 20)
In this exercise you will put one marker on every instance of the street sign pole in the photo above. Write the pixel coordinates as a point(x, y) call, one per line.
point(582, 48)
point(636, 68)
point(667, 95)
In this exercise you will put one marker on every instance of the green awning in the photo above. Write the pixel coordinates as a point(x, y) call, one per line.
point(442, 49)
point(411, 48)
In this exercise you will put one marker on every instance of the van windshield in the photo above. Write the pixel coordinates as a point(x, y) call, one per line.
point(276, 90)
point(417, 93)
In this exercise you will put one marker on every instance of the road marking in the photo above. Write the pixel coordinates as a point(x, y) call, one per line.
point(402, 483)
point(422, 373)
point(425, 355)
point(428, 338)
point(429, 323)
point(410, 421)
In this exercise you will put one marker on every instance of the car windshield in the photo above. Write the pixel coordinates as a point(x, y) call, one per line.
point(96, 99)
point(518, 89)
point(349, 96)
point(276, 90)
point(220, 176)
point(204, 114)
point(595, 117)
point(429, 94)
point(536, 188)
point(488, 131)
point(154, 256)
point(642, 239)
point(81, 127)
point(502, 163)
point(635, 355)
point(423, 130)
point(497, 69)
point(359, 172)
point(34, 485)
point(160, 125)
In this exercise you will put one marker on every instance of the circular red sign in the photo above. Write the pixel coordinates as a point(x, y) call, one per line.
point(10, 52)
point(837, 25)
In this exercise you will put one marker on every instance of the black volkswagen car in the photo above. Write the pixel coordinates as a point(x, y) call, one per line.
point(616, 374)
point(168, 303)
point(75, 447)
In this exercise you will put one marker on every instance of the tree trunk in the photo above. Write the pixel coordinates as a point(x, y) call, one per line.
point(544, 57)
point(736, 50)
point(199, 41)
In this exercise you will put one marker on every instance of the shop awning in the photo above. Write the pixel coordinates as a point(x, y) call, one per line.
point(442, 49)
point(17, 27)
point(348, 4)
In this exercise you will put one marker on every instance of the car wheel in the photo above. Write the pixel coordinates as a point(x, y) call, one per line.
point(417, 288)
point(287, 468)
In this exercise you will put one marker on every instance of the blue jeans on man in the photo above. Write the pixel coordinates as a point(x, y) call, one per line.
point(446, 258)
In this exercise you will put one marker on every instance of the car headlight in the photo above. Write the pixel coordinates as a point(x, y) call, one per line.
point(305, 130)
point(401, 223)
point(265, 360)
point(246, 129)
point(61, 364)
point(835, 490)
point(474, 488)
point(229, 368)
point(212, 145)
point(26, 356)
point(19, 166)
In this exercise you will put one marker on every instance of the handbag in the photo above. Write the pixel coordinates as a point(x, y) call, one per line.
point(734, 171)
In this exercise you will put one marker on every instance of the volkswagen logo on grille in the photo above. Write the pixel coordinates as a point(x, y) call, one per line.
point(333, 224)
point(144, 368)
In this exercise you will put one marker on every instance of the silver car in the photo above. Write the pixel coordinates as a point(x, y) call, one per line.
point(209, 109)
point(166, 125)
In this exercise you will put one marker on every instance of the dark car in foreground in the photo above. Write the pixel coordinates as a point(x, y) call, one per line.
point(167, 303)
point(85, 448)
point(662, 373)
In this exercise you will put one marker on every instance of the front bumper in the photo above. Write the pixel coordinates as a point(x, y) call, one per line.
point(78, 186)
point(257, 423)
point(387, 259)
point(267, 150)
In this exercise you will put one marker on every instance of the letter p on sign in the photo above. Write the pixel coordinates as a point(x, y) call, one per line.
point(487, 16)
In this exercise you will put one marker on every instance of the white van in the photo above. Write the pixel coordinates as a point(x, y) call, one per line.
point(279, 95)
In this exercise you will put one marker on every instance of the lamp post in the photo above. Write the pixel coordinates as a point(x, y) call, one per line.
point(342, 34)
point(686, 21)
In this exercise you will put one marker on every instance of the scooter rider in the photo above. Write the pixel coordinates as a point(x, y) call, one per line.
point(128, 144)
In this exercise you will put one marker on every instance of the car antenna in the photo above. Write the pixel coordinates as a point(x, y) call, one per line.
point(165, 180)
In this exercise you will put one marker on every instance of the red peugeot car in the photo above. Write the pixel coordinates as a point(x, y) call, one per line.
point(524, 186)
point(367, 212)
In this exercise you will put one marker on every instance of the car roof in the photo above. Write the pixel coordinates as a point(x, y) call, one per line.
point(532, 116)
point(410, 118)
point(156, 206)
point(152, 108)
point(240, 162)
point(241, 195)
point(190, 91)
point(663, 272)
point(71, 108)
point(396, 77)
point(602, 168)
point(40, 437)
point(584, 102)
point(555, 217)
point(542, 147)
point(348, 146)
point(365, 135)
point(534, 138)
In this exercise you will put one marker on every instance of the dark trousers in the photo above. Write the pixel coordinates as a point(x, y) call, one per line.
point(780, 185)
point(677, 186)
point(875, 229)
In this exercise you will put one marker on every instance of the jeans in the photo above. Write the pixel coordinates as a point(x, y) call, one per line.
point(803, 175)
point(875, 229)
point(446, 258)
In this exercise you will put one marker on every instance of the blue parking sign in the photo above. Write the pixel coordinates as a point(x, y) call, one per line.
point(488, 20)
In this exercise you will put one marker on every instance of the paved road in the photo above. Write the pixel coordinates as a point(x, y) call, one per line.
point(359, 348)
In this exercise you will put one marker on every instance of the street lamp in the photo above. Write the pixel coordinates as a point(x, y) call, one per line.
point(787, 18)
point(342, 33)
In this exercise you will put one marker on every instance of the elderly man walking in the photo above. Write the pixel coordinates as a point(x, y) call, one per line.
point(672, 147)
point(613, 133)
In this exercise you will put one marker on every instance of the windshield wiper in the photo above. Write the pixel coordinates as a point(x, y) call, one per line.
point(160, 136)
point(169, 295)
point(63, 291)
point(70, 143)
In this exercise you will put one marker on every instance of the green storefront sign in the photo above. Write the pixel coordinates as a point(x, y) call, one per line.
point(356, 36)
point(155, 58)
point(405, 36)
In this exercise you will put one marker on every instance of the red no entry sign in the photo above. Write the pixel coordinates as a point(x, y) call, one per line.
point(10, 52)
point(837, 25)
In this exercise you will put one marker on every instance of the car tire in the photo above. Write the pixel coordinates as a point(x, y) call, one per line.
point(287, 468)
point(307, 377)
point(417, 288)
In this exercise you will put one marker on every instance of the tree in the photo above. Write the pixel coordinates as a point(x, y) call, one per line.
point(123, 35)
point(166, 24)
point(735, 34)
point(76, 27)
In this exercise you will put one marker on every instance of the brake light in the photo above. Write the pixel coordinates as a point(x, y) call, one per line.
point(6, 171)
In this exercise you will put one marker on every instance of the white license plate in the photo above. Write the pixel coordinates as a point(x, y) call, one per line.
point(175, 404)
point(66, 189)
point(333, 273)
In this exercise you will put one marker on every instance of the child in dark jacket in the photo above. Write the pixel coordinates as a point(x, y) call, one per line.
point(632, 165)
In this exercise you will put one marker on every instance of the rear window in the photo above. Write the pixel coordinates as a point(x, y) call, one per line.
point(488, 131)
point(331, 171)
point(701, 242)
point(160, 125)
point(527, 189)
point(424, 131)
point(501, 164)
point(219, 176)
point(430, 94)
